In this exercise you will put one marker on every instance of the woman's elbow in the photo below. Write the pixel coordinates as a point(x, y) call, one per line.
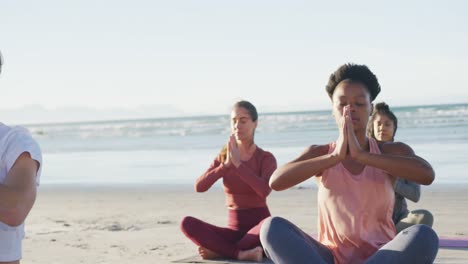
point(14, 218)
point(276, 185)
point(265, 192)
point(414, 197)
point(15, 221)
point(428, 181)
point(280, 180)
point(199, 188)
point(274, 181)
point(430, 176)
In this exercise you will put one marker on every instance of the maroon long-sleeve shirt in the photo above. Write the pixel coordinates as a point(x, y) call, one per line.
point(245, 186)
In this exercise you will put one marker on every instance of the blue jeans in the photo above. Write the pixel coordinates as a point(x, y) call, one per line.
point(285, 243)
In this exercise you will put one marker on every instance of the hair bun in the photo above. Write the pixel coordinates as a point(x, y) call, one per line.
point(382, 106)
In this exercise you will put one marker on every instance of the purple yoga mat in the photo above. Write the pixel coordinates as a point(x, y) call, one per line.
point(445, 242)
point(453, 242)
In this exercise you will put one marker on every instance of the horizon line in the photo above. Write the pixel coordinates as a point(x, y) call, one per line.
point(215, 115)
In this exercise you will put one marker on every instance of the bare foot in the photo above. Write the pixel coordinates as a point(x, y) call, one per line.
point(207, 254)
point(254, 254)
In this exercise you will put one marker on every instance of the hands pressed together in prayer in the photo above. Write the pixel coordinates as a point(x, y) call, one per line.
point(233, 153)
point(347, 143)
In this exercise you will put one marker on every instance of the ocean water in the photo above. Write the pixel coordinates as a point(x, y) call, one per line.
point(178, 150)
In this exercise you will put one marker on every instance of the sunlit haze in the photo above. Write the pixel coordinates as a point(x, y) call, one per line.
point(91, 60)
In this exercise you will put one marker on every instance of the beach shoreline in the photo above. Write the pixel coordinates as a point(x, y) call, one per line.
point(140, 223)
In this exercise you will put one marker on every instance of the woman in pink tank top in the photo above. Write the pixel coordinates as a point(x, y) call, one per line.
point(355, 192)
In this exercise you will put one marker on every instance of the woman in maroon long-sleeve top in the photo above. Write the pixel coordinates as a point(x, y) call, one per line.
point(245, 169)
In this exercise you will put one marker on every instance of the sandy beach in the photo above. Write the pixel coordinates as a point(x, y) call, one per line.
point(140, 224)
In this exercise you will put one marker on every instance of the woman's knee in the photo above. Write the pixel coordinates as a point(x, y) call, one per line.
point(271, 228)
point(270, 233)
point(428, 232)
point(425, 234)
point(188, 223)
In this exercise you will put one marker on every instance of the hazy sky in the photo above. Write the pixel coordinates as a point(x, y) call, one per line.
point(93, 59)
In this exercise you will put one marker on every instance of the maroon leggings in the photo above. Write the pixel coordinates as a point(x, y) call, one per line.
point(241, 233)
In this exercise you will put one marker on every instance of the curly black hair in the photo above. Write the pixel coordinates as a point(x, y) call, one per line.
point(354, 73)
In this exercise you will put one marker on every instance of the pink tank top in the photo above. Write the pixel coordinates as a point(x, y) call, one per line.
point(355, 211)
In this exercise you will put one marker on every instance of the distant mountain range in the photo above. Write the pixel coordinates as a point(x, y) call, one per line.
point(34, 114)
